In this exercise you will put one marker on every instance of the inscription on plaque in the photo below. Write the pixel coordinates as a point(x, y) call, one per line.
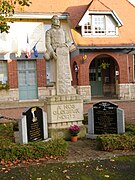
point(66, 112)
point(34, 119)
point(105, 118)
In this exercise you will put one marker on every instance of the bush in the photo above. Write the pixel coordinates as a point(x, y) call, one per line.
point(130, 129)
point(10, 151)
point(6, 133)
point(15, 126)
point(33, 150)
point(112, 142)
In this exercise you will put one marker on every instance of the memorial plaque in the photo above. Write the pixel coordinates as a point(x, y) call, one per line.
point(105, 118)
point(34, 119)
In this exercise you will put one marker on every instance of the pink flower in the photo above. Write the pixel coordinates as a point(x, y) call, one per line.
point(74, 130)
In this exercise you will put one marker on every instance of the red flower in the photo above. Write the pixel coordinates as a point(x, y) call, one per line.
point(74, 130)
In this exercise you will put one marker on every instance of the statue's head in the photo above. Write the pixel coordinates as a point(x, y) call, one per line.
point(55, 21)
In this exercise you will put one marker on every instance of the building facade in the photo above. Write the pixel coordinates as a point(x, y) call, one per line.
point(102, 54)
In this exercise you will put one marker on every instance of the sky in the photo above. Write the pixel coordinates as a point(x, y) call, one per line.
point(132, 1)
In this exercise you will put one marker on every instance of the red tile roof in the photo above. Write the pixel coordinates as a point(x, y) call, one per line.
point(76, 9)
point(98, 5)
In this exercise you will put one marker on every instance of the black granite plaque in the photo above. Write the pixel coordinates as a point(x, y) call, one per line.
point(105, 118)
point(34, 119)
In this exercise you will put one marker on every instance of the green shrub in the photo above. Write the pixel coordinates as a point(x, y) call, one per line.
point(130, 129)
point(6, 133)
point(10, 151)
point(4, 86)
point(34, 150)
point(112, 142)
point(15, 126)
point(125, 141)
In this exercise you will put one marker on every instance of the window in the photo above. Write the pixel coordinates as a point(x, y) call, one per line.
point(92, 74)
point(99, 25)
point(3, 72)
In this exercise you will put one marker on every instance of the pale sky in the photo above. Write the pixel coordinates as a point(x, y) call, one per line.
point(132, 1)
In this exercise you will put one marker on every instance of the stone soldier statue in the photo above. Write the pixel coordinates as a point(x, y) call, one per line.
point(57, 45)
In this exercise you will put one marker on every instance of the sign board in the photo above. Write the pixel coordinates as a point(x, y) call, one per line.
point(105, 118)
point(34, 119)
point(33, 126)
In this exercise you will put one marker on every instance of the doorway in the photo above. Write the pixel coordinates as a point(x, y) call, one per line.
point(95, 77)
point(102, 76)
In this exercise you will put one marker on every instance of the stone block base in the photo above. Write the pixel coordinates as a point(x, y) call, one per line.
point(91, 136)
point(55, 133)
point(63, 111)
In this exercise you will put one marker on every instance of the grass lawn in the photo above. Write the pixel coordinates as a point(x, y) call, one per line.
point(113, 169)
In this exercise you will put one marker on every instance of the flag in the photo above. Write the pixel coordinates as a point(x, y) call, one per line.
point(35, 50)
point(19, 48)
point(18, 52)
point(28, 53)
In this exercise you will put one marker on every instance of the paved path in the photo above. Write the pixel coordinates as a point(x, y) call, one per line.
point(85, 150)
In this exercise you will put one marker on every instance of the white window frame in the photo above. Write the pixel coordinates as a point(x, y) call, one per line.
point(98, 25)
point(108, 26)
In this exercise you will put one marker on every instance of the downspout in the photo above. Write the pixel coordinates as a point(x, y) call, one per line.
point(128, 74)
point(128, 65)
point(128, 69)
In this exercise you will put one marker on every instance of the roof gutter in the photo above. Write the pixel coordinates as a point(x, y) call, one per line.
point(38, 15)
point(107, 47)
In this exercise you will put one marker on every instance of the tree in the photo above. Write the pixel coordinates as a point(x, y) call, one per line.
point(7, 8)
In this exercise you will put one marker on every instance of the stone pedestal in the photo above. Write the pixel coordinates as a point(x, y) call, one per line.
point(62, 111)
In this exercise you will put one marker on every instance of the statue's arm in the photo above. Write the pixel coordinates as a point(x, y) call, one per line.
point(48, 42)
point(49, 47)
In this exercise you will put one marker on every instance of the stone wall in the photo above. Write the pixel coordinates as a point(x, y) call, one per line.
point(13, 94)
point(9, 95)
point(126, 91)
point(85, 92)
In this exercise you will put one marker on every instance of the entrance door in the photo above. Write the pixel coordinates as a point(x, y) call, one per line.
point(95, 77)
point(27, 80)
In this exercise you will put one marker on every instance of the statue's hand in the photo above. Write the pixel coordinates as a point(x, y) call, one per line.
point(46, 56)
point(54, 55)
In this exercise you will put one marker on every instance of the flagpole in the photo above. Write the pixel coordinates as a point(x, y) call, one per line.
point(35, 49)
point(28, 53)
